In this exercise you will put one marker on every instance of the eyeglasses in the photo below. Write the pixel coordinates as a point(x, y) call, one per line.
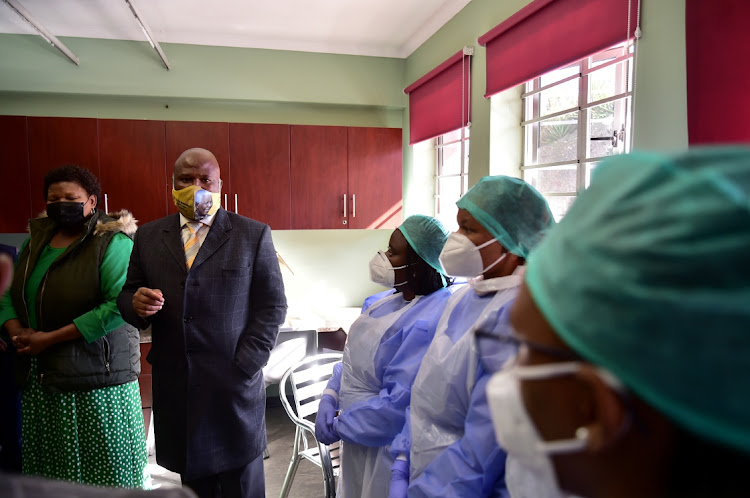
point(498, 351)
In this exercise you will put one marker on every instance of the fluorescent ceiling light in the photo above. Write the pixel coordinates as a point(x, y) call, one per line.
point(49, 37)
point(147, 32)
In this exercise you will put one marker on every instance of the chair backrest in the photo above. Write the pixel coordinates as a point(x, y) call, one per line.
point(308, 379)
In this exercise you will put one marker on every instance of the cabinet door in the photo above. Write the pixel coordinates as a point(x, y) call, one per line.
point(15, 203)
point(57, 141)
point(375, 170)
point(318, 176)
point(133, 171)
point(183, 135)
point(259, 155)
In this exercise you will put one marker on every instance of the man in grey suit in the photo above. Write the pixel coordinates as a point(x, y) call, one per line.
point(210, 286)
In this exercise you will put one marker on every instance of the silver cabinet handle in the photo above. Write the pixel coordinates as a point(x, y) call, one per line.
point(354, 205)
point(344, 205)
point(226, 202)
point(106, 204)
point(236, 209)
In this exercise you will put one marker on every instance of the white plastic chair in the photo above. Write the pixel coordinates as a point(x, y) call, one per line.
point(308, 379)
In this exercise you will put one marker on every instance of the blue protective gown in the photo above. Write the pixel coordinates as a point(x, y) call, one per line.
point(370, 300)
point(384, 349)
point(449, 438)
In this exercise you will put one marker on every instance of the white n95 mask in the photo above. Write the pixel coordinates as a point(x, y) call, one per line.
point(382, 272)
point(517, 434)
point(461, 258)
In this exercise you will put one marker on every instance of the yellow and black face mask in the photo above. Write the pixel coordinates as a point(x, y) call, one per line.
point(196, 203)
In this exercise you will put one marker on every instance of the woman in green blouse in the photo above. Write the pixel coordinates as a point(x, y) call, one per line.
point(77, 360)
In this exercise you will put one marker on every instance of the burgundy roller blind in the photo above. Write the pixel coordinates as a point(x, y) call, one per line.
point(718, 75)
point(439, 101)
point(549, 34)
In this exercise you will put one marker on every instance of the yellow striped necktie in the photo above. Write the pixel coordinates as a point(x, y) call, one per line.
point(190, 240)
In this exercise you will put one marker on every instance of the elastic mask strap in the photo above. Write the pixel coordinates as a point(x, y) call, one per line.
point(547, 370)
point(496, 262)
point(550, 370)
point(482, 246)
point(572, 445)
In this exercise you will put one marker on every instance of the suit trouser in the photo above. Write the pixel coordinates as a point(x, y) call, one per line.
point(244, 482)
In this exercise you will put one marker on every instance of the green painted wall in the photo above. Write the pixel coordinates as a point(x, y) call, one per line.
point(113, 67)
point(181, 109)
point(661, 90)
point(125, 79)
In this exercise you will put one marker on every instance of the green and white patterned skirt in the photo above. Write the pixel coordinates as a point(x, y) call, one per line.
point(95, 437)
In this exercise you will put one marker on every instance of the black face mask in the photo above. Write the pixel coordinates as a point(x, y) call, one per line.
point(66, 214)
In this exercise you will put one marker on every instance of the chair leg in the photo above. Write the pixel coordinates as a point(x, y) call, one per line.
point(293, 464)
point(329, 480)
point(329, 483)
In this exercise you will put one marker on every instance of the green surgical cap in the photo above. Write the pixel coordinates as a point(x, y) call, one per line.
point(648, 276)
point(426, 236)
point(511, 210)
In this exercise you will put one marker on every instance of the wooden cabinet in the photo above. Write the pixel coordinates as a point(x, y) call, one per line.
point(288, 176)
point(54, 142)
point(260, 172)
point(346, 177)
point(15, 202)
point(319, 176)
point(132, 168)
point(183, 135)
point(374, 172)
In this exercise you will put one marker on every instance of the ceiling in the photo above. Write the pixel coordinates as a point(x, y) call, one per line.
point(383, 28)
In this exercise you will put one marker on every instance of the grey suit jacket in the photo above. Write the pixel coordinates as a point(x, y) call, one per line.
point(210, 341)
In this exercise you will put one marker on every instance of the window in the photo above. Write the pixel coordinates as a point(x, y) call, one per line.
point(574, 117)
point(451, 174)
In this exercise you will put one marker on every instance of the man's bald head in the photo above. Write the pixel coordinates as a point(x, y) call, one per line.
point(195, 157)
point(197, 167)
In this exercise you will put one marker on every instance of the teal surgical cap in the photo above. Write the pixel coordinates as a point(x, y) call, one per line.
point(426, 236)
point(511, 210)
point(648, 276)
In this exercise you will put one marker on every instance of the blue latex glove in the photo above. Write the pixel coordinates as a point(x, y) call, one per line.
point(399, 479)
point(334, 383)
point(325, 431)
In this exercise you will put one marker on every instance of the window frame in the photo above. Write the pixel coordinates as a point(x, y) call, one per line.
point(621, 55)
point(463, 174)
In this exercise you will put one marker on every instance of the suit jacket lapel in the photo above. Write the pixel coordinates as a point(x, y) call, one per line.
point(217, 235)
point(173, 240)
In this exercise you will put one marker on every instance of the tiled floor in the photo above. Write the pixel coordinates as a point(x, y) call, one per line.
point(308, 482)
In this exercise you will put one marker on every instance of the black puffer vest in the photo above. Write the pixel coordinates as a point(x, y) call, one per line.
point(70, 288)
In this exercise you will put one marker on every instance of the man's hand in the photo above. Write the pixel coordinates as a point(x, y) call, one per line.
point(147, 302)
